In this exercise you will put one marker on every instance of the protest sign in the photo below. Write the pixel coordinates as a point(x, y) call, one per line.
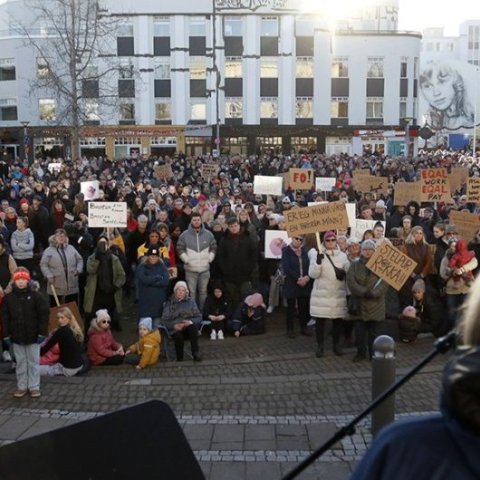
point(391, 265)
point(325, 184)
point(285, 180)
point(370, 184)
point(458, 176)
point(54, 167)
point(263, 185)
point(275, 241)
point(209, 170)
point(360, 226)
point(434, 185)
point(301, 178)
point(163, 172)
point(107, 214)
point(90, 190)
point(405, 192)
point(352, 214)
point(473, 190)
point(319, 218)
point(467, 223)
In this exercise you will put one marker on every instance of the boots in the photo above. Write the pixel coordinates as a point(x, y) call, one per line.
point(337, 350)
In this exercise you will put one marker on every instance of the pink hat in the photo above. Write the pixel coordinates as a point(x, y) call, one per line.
point(409, 312)
point(330, 234)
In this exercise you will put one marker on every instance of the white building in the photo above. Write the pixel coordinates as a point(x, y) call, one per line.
point(257, 74)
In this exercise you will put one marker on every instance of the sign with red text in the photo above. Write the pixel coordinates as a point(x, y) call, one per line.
point(434, 185)
point(319, 218)
point(391, 265)
point(301, 178)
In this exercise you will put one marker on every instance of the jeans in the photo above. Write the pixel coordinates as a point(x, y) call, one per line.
point(27, 370)
point(58, 369)
point(197, 283)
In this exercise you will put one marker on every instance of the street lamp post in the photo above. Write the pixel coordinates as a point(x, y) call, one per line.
point(26, 140)
point(407, 135)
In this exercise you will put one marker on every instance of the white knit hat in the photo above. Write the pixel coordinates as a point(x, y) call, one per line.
point(181, 284)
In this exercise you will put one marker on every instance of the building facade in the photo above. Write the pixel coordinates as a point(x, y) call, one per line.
point(232, 75)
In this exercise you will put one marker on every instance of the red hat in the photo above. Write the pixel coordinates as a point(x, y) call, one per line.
point(201, 197)
point(24, 201)
point(21, 276)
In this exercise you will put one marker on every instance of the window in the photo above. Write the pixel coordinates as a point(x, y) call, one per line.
point(127, 112)
point(233, 108)
point(43, 72)
point(8, 109)
point(161, 27)
point(403, 107)
point(125, 40)
point(233, 26)
point(403, 68)
point(268, 107)
point(305, 26)
point(126, 88)
point(233, 67)
point(375, 67)
point(163, 110)
point(339, 68)
point(7, 69)
point(46, 107)
point(198, 68)
point(304, 107)
point(124, 29)
point(339, 107)
point(269, 27)
point(91, 111)
point(197, 27)
point(304, 67)
point(375, 107)
point(162, 68)
point(198, 110)
point(268, 67)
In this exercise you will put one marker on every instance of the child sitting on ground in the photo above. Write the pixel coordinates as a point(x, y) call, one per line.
point(146, 351)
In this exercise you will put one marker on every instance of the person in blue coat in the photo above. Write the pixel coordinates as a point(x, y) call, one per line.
point(444, 446)
point(152, 283)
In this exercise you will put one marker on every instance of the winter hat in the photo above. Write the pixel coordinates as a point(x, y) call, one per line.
point(180, 284)
point(99, 316)
point(353, 241)
point(286, 200)
point(145, 322)
point(418, 286)
point(368, 245)
point(330, 234)
point(153, 251)
point(380, 204)
point(21, 275)
point(24, 201)
point(409, 312)
point(201, 197)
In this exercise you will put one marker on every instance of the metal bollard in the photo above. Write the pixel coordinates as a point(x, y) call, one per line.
point(383, 376)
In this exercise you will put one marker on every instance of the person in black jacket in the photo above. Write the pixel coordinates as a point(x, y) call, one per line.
point(69, 337)
point(217, 310)
point(25, 323)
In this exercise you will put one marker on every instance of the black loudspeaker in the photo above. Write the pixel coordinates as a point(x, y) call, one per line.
point(144, 441)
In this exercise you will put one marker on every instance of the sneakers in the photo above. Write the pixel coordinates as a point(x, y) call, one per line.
point(220, 335)
point(270, 309)
point(213, 335)
point(34, 393)
point(6, 357)
point(20, 393)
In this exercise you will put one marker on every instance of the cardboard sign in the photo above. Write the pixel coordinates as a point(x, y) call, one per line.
point(458, 177)
point(360, 226)
point(275, 242)
point(405, 192)
point(90, 190)
point(107, 215)
point(263, 185)
point(370, 184)
point(391, 265)
point(163, 172)
point(434, 185)
point(467, 223)
point(301, 178)
point(325, 184)
point(209, 170)
point(319, 218)
point(54, 167)
point(473, 190)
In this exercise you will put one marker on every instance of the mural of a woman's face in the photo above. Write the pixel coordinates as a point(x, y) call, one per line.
point(439, 88)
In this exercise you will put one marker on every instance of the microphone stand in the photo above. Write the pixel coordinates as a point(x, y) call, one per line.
point(442, 345)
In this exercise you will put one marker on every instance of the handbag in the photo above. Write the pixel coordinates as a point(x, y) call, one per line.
point(340, 273)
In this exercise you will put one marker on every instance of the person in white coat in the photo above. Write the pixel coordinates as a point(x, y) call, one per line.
point(329, 294)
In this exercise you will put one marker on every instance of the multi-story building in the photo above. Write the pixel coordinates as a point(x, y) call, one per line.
point(241, 76)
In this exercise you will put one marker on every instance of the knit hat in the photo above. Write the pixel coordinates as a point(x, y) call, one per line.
point(380, 204)
point(24, 201)
point(180, 284)
point(21, 275)
point(145, 322)
point(353, 241)
point(153, 251)
point(330, 234)
point(409, 312)
point(418, 286)
point(368, 245)
point(102, 314)
point(201, 197)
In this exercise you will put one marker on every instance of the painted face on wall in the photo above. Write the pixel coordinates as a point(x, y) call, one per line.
point(439, 89)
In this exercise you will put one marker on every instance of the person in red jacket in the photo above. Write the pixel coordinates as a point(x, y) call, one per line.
point(103, 349)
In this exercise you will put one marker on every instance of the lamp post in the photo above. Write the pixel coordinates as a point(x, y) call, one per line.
point(26, 140)
point(407, 135)
point(217, 78)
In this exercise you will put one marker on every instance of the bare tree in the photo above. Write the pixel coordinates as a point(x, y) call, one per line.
point(73, 48)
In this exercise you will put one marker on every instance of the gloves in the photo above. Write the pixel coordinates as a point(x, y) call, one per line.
point(368, 295)
point(40, 339)
point(319, 258)
point(7, 342)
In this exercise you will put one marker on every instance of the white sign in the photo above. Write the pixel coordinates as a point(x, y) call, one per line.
point(107, 214)
point(360, 225)
point(325, 184)
point(267, 185)
point(54, 167)
point(90, 190)
point(275, 241)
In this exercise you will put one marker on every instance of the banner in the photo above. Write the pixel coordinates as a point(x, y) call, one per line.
point(275, 242)
point(473, 190)
point(325, 184)
point(319, 218)
point(370, 184)
point(263, 185)
point(405, 192)
point(391, 265)
point(54, 167)
point(107, 214)
point(209, 170)
point(301, 178)
point(467, 223)
point(90, 190)
point(163, 172)
point(434, 185)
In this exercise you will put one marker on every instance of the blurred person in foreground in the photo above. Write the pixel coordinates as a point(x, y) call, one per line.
point(445, 445)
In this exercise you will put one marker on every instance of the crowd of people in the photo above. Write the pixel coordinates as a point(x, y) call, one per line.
point(193, 254)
